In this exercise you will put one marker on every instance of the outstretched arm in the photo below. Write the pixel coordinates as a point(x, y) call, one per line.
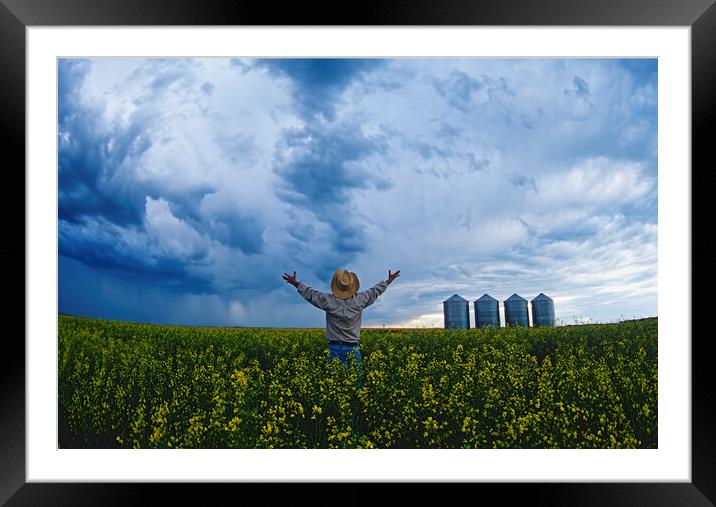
point(316, 298)
point(368, 297)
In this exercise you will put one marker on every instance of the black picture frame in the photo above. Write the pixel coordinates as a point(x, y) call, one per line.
point(17, 15)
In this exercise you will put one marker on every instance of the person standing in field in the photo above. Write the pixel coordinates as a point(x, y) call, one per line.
point(344, 309)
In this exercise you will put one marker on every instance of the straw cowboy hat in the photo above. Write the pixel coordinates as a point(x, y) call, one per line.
point(344, 284)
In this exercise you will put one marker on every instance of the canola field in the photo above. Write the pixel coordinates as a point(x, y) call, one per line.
point(151, 386)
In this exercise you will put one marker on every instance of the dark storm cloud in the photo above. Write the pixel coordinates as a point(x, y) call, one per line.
point(235, 229)
point(323, 163)
point(319, 82)
point(223, 222)
point(100, 248)
point(103, 188)
point(321, 166)
point(90, 156)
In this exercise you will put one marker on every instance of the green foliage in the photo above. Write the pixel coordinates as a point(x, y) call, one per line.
point(149, 386)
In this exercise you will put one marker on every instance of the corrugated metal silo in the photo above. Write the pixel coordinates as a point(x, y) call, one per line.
point(457, 313)
point(543, 311)
point(487, 311)
point(516, 311)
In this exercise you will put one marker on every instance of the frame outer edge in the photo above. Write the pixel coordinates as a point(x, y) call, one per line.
point(12, 99)
point(12, 252)
point(703, 386)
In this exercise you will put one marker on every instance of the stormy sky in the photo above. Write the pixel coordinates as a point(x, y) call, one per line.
point(186, 187)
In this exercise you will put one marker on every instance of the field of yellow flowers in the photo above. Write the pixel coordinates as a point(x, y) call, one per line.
point(150, 386)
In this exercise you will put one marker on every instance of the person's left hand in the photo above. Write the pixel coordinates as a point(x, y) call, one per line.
point(291, 279)
point(392, 276)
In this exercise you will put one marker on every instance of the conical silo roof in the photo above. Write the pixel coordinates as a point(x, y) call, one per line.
point(542, 297)
point(515, 297)
point(455, 297)
point(486, 297)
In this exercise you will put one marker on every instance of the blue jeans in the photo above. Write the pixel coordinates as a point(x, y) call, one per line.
point(344, 353)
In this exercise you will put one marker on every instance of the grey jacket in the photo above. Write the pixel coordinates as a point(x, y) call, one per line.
point(343, 317)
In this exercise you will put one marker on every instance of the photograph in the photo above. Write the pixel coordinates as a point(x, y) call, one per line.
point(357, 253)
point(414, 244)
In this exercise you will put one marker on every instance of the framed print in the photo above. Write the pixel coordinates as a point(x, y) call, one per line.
point(79, 232)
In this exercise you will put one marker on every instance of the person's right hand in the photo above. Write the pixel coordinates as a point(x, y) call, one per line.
point(392, 276)
point(291, 279)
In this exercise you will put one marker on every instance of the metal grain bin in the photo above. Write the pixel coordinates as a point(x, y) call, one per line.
point(457, 313)
point(516, 311)
point(487, 311)
point(543, 311)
